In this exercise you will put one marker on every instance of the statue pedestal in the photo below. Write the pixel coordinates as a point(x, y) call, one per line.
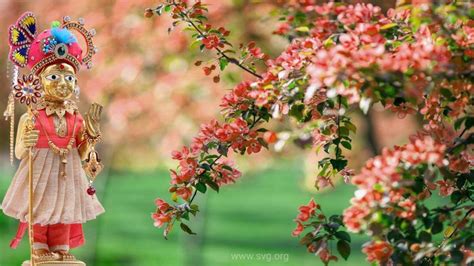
point(55, 263)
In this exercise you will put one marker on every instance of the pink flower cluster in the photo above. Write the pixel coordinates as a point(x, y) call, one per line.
point(236, 134)
point(225, 173)
point(378, 251)
point(163, 213)
point(380, 182)
point(459, 100)
point(364, 48)
point(307, 212)
point(359, 13)
point(423, 54)
point(295, 57)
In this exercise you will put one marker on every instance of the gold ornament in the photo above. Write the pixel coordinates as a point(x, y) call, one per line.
point(93, 165)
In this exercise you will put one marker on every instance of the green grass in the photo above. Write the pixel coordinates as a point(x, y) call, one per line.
point(251, 218)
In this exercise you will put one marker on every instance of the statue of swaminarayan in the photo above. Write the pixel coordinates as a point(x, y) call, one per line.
point(51, 193)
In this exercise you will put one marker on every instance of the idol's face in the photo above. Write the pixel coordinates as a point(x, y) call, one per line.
point(59, 81)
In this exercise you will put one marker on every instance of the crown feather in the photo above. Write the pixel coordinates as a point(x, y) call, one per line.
point(63, 35)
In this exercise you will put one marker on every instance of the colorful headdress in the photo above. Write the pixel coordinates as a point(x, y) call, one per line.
point(37, 51)
point(55, 45)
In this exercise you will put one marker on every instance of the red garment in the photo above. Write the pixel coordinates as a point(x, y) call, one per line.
point(52, 235)
point(76, 235)
point(46, 123)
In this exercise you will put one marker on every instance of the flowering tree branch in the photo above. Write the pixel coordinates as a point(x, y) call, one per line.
point(212, 39)
point(342, 57)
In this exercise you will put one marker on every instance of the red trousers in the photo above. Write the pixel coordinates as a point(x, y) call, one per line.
point(53, 237)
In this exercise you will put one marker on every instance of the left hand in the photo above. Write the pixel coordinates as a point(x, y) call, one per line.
point(92, 120)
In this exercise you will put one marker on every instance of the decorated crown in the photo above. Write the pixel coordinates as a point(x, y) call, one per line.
point(55, 45)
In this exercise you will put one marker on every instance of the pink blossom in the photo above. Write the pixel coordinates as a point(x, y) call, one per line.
point(227, 173)
point(307, 211)
point(379, 251)
point(211, 41)
point(353, 216)
point(408, 209)
point(401, 110)
point(446, 188)
point(160, 219)
point(298, 230)
point(162, 205)
point(184, 192)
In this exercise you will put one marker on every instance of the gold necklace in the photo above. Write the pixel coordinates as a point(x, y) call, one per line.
point(62, 152)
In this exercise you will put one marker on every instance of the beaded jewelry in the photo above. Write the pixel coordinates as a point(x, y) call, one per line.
point(9, 114)
point(62, 152)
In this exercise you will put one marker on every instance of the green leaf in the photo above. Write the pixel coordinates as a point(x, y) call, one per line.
point(346, 145)
point(223, 149)
point(338, 164)
point(167, 8)
point(461, 181)
point(201, 17)
point(437, 227)
point(469, 122)
point(213, 185)
point(225, 166)
point(446, 93)
point(205, 166)
point(323, 170)
point(328, 42)
point(336, 219)
point(201, 187)
point(425, 236)
point(262, 142)
point(456, 196)
point(458, 149)
point(302, 29)
point(223, 62)
point(342, 235)
point(185, 216)
point(296, 111)
point(211, 156)
point(343, 131)
point(388, 26)
point(394, 236)
point(195, 43)
point(458, 123)
point(456, 256)
point(186, 229)
point(344, 249)
point(351, 127)
point(448, 231)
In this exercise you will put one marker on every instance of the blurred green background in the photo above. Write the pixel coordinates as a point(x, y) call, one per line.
point(252, 218)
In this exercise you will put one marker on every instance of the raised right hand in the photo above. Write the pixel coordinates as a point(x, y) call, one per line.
point(30, 138)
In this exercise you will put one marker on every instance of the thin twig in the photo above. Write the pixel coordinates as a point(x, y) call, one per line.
point(219, 51)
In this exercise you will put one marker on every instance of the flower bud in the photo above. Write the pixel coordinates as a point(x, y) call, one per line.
point(148, 13)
